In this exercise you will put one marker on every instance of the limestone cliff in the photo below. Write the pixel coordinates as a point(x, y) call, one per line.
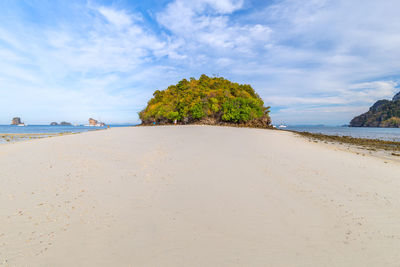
point(16, 121)
point(384, 113)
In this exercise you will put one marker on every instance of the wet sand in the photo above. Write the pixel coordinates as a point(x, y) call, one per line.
point(18, 137)
point(195, 196)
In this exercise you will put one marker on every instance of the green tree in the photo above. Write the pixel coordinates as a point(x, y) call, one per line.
point(215, 98)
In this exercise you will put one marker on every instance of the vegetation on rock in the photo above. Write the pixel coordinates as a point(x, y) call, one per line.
point(207, 100)
point(384, 113)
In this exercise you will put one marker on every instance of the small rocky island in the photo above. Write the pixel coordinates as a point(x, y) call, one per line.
point(93, 122)
point(17, 121)
point(63, 123)
point(212, 101)
point(384, 113)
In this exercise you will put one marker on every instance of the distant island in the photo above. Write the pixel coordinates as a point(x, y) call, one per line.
point(63, 123)
point(212, 101)
point(384, 113)
point(93, 122)
point(17, 121)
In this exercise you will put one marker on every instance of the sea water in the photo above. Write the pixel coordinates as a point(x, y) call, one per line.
point(43, 129)
point(390, 134)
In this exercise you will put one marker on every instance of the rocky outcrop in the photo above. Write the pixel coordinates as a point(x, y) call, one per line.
point(93, 122)
point(396, 97)
point(384, 113)
point(207, 100)
point(54, 123)
point(16, 121)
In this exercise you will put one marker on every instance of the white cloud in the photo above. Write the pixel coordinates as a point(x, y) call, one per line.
point(306, 58)
point(221, 6)
point(116, 17)
point(326, 53)
point(213, 30)
point(102, 69)
point(370, 91)
point(200, 6)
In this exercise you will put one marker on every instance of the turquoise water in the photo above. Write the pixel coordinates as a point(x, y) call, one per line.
point(35, 129)
point(391, 134)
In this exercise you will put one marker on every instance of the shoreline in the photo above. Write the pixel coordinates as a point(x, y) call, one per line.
point(390, 149)
point(376, 147)
point(367, 143)
point(20, 137)
point(6, 138)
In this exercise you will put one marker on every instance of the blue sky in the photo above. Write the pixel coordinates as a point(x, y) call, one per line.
point(315, 61)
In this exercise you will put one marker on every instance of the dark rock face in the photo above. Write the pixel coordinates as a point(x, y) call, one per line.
point(54, 123)
point(383, 113)
point(396, 97)
point(16, 121)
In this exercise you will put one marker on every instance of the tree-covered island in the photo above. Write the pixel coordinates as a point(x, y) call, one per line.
point(207, 100)
point(384, 113)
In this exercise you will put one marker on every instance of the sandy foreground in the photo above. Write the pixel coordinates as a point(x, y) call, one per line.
point(195, 196)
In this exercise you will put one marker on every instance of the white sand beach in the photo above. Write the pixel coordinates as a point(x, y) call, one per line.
point(195, 196)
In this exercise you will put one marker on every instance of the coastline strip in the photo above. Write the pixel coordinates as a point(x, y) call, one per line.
point(366, 143)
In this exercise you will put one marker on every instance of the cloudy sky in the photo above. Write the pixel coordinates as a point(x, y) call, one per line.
point(314, 61)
